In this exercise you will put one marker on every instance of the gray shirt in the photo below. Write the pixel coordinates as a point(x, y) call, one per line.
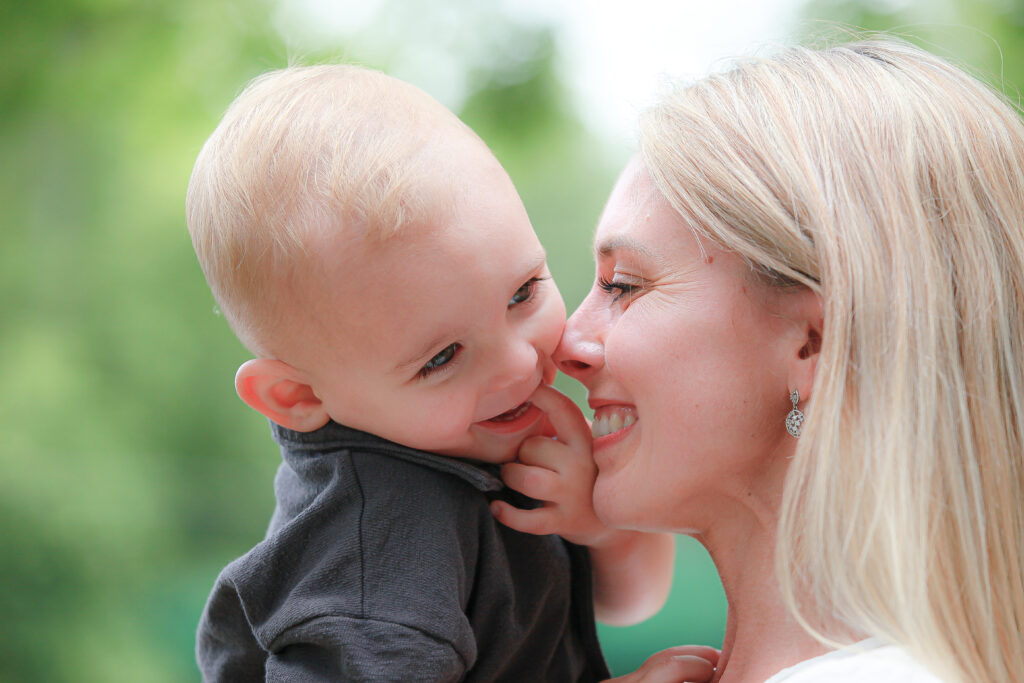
point(384, 563)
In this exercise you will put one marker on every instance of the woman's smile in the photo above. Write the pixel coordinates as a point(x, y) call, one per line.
point(611, 419)
point(611, 425)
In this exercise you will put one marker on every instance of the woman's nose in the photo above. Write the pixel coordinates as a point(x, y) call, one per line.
point(580, 353)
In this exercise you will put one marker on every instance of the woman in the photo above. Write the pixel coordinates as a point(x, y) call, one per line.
point(834, 234)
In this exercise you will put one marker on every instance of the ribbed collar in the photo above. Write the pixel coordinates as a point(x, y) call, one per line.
point(334, 437)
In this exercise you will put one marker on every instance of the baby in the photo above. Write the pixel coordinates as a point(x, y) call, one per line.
point(373, 255)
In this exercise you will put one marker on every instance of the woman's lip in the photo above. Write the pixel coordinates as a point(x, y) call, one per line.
point(522, 422)
point(596, 402)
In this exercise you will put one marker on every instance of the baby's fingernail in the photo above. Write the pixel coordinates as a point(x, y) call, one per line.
point(495, 509)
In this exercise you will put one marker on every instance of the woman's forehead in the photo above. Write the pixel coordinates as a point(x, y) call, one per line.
point(634, 197)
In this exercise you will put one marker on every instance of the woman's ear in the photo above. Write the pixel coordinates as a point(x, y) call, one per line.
point(808, 315)
point(274, 388)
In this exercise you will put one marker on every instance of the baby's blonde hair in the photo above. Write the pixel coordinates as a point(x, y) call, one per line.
point(302, 151)
point(892, 183)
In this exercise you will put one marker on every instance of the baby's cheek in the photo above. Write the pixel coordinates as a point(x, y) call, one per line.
point(450, 420)
point(551, 326)
point(441, 429)
point(550, 371)
point(437, 435)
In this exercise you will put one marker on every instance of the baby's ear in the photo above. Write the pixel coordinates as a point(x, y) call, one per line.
point(274, 388)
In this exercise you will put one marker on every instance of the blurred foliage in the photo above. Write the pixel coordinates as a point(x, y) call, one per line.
point(129, 471)
point(984, 37)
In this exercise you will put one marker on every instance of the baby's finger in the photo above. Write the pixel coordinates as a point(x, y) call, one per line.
point(565, 416)
point(539, 521)
point(536, 482)
point(541, 451)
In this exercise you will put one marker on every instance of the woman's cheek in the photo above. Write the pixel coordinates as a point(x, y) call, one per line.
point(604, 502)
point(616, 496)
point(624, 354)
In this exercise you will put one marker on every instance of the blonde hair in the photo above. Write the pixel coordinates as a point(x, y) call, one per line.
point(891, 183)
point(301, 151)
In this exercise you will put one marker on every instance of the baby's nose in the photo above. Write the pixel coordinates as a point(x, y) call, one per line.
point(518, 363)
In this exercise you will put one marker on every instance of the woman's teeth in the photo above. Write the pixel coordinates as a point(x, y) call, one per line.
point(610, 420)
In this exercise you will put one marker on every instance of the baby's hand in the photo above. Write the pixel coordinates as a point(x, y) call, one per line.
point(558, 472)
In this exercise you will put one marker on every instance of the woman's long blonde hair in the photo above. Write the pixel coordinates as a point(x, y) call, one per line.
point(892, 183)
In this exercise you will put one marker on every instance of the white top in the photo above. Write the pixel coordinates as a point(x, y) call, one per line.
point(869, 660)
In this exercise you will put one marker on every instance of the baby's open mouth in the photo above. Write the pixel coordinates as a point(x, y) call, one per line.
point(610, 419)
point(515, 421)
point(514, 414)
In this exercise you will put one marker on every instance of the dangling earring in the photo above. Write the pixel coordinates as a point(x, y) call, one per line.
point(795, 418)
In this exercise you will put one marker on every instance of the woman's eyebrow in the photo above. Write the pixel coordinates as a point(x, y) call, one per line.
point(609, 246)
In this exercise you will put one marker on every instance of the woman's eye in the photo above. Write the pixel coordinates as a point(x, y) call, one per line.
point(524, 293)
point(619, 289)
point(440, 360)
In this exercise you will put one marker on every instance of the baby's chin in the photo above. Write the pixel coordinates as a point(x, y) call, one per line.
point(511, 454)
point(499, 454)
point(499, 449)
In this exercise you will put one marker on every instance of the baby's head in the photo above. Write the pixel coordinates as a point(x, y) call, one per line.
point(372, 253)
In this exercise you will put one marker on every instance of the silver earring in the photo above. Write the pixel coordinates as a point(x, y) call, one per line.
point(795, 419)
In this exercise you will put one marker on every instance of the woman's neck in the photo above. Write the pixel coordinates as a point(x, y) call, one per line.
point(761, 636)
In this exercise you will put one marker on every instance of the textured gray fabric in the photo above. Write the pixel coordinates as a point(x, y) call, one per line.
point(383, 563)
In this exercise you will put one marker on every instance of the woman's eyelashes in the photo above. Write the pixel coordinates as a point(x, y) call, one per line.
point(440, 361)
point(525, 292)
point(619, 288)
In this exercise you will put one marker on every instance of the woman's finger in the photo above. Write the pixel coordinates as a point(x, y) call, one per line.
point(682, 664)
point(702, 651)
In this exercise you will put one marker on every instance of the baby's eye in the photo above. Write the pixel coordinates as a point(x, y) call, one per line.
point(524, 293)
point(440, 360)
point(618, 288)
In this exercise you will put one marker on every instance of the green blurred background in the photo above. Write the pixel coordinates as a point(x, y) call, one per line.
point(129, 471)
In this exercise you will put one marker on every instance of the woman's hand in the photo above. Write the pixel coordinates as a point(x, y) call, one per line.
point(681, 664)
